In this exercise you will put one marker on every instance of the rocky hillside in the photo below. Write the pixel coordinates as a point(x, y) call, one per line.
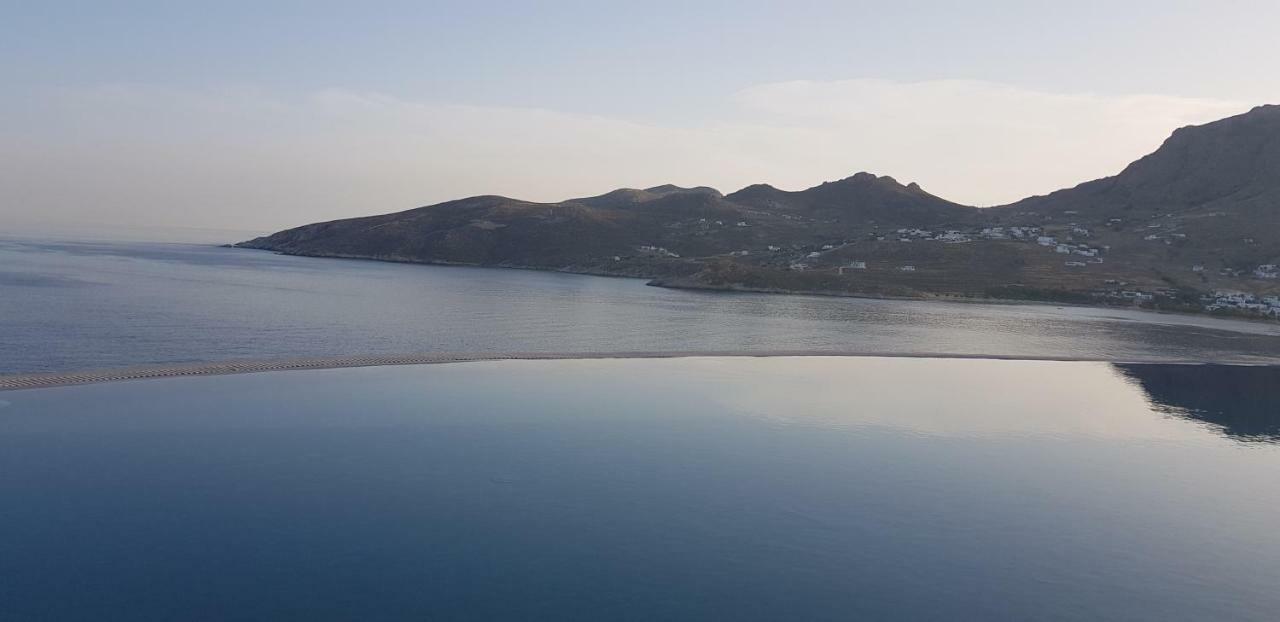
point(657, 231)
point(1197, 216)
point(1233, 163)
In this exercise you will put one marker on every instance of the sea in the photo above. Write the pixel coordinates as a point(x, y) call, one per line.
point(75, 305)
point(934, 464)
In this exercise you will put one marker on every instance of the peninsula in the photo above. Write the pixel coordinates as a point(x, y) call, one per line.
point(1194, 226)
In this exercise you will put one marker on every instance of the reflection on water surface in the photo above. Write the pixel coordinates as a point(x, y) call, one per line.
point(1241, 401)
point(684, 489)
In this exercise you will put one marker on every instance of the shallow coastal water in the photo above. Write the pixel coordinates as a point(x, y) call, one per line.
point(704, 488)
point(75, 305)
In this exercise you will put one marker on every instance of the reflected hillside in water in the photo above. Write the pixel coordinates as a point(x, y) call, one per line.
point(1242, 401)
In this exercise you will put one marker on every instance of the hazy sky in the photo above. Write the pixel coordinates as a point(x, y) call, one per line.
point(259, 115)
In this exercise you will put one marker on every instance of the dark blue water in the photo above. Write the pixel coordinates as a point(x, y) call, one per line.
point(691, 489)
point(76, 305)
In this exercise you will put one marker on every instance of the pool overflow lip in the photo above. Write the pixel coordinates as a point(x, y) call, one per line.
point(60, 379)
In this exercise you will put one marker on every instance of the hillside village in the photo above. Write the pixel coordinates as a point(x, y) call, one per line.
point(1075, 247)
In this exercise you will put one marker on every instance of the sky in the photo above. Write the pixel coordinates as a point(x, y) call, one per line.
point(255, 116)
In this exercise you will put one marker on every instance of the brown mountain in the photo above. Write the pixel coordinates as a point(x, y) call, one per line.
point(652, 232)
point(1199, 214)
point(1210, 196)
point(1233, 163)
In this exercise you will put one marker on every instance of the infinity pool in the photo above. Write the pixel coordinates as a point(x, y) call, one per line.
point(681, 489)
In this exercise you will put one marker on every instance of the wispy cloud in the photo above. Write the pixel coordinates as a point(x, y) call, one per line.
point(244, 157)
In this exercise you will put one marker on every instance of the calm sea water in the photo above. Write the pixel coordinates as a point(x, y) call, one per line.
point(74, 306)
point(689, 489)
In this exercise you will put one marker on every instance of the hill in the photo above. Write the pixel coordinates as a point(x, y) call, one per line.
point(660, 231)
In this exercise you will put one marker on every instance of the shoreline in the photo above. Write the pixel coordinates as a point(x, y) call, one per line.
point(154, 372)
point(659, 282)
point(971, 300)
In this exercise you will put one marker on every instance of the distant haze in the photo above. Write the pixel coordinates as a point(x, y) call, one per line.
point(247, 118)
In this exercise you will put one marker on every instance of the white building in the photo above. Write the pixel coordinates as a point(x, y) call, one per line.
point(952, 237)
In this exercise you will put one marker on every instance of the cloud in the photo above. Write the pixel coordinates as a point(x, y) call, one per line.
point(249, 158)
point(978, 142)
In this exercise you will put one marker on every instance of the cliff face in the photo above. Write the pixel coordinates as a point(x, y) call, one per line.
point(1201, 212)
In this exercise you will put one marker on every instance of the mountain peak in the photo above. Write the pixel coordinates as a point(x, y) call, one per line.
point(673, 189)
point(756, 190)
point(866, 178)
